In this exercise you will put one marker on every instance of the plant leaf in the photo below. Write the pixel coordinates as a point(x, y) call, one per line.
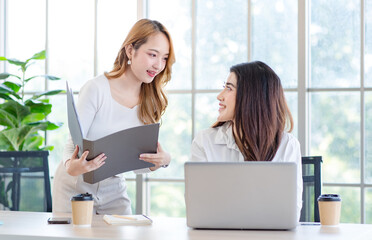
point(6, 75)
point(38, 56)
point(39, 107)
point(8, 138)
point(16, 109)
point(14, 138)
point(16, 62)
point(33, 143)
point(44, 100)
point(5, 89)
point(53, 78)
point(49, 77)
point(14, 86)
point(9, 187)
point(7, 119)
point(33, 117)
point(46, 125)
point(47, 148)
point(40, 125)
point(4, 192)
point(47, 93)
point(53, 126)
point(3, 59)
point(25, 132)
point(5, 96)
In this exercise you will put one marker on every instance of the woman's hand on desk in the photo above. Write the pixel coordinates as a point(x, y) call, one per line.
point(77, 166)
point(160, 159)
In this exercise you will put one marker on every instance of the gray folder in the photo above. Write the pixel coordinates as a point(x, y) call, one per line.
point(121, 148)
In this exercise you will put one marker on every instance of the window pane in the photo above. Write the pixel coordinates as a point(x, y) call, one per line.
point(368, 205)
point(291, 98)
point(26, 28)
point(335, 43)
point(71, 42)
point(112, 28)
point(25, 37)
point(131, 190)
point(221, 39)
point(206, 110)
point(274, 37)
point(368, 137)
point(335, 135)
point(368, 43)
point(167, 199)
point(176, 17)
point(350, 200)
point(58, 137)
point(175, 135)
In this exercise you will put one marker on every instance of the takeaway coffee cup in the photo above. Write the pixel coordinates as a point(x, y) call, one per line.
point(329, 209)
point(82, 210)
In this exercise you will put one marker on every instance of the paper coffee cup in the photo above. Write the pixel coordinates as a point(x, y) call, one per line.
point(82, 210)
point(329, 209)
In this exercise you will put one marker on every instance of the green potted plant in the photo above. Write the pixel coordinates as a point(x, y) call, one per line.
point(23, 118)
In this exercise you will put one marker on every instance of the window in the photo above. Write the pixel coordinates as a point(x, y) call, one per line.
point(321, 50)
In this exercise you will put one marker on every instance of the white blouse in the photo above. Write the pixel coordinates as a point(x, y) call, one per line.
point(218, 145)
point(99, 115)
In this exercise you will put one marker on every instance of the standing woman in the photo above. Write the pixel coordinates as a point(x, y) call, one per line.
point(130, 95)
point(253, 115)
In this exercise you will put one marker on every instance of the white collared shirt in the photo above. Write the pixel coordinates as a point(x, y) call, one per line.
point(218, 145)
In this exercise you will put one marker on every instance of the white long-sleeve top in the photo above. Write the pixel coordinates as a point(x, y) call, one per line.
point(99, 115)
point(218, 145)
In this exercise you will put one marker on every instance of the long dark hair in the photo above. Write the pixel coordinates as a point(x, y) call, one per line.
point(261, 111)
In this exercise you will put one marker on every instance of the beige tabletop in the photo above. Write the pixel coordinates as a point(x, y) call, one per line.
point(32, 225)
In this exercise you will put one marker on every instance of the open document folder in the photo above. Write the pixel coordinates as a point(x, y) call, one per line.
point(121, 148)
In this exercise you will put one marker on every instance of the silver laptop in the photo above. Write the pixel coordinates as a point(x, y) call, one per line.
point(244, 195)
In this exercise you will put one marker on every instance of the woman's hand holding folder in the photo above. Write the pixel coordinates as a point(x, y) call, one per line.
point(76, 166)
point(160, 159)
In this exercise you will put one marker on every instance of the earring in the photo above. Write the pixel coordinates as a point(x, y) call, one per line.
point(129, 62)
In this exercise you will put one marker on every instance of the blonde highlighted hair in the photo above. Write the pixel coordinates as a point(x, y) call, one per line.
point(153, 101)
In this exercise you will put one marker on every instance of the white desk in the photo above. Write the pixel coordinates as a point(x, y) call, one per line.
point(30, 225)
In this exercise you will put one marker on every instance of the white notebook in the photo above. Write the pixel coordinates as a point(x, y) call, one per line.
point(127, 219)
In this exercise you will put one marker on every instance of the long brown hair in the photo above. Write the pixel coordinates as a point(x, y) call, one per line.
point(153, 100)
point(261, 111)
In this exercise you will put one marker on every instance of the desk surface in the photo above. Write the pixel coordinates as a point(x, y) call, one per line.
point(31, 225)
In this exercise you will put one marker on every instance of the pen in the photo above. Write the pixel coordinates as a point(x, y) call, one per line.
point(124, 217)
point(147, 218)
point(309, 223)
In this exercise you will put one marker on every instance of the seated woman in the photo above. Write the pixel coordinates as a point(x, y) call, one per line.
point(253, 115)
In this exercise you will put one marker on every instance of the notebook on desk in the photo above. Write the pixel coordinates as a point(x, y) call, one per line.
point(245, 195)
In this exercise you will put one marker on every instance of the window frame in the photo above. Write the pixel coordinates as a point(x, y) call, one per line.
point(303, 91)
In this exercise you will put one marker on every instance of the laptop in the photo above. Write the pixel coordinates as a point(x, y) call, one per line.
point(241, 195)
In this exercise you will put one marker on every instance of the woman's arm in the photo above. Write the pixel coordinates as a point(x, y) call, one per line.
point(293, 152)
point(197, 150)
point(87, 108)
